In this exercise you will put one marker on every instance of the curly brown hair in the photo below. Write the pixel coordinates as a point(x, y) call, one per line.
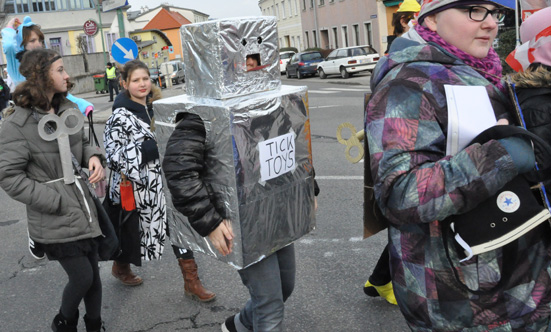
point(35, 66)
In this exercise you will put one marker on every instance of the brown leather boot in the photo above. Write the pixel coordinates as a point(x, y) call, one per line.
point(123, 272)
point(192, 285)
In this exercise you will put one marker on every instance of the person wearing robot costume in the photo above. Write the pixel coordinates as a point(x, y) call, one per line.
point(238, 161)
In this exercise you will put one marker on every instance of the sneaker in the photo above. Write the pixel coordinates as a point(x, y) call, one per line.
point(36, 248)
point(229, 325)
point(385, 291)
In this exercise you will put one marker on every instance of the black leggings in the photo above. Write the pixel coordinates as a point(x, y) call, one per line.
point(84, 283)
point(381, 273)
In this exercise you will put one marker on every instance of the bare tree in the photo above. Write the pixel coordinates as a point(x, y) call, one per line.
point(82, 47)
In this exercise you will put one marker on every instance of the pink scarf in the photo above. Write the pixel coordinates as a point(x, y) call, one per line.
point(489, 67)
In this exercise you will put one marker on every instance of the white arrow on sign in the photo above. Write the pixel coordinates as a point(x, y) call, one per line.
point(127, 54)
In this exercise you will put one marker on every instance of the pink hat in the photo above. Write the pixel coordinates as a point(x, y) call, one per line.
point(535, 34)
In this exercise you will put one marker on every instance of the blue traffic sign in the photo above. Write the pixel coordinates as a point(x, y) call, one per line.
point(124, 50)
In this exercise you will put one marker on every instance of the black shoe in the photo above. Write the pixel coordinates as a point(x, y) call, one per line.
point(110, 100)
point(229, 325)
point(36, 249)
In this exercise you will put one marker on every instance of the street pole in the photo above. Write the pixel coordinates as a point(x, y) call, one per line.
point(120, 17)
point(98, 8)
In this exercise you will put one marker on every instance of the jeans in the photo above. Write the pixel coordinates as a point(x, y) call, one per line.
point(270, 282)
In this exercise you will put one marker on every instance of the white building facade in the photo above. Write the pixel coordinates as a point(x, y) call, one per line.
point(289, 21)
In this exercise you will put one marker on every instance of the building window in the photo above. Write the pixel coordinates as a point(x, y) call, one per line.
point(110, 39)
point(345, 36)
point(273, 11)
point(298, 43)
point(296, 7)
point(293, 42)
point(336, 37)
point(311, 3)
point(356, 31)
point(283, 9)
point(277, 11)
point(307, 39)
point(322, 2)
point(303, 4)
point(89, 45)
point(315, 37)
point(368, 34)
point(55, 44)
point(290, 8)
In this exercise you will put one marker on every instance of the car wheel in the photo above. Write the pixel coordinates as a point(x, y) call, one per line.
point(344, 73)
point(322, 73)
point(299, 75)
point(287, 73)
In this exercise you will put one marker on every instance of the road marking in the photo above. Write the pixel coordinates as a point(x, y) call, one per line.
point(320, 91)
point(325, 106)
point(330, 177)
point(352, 90)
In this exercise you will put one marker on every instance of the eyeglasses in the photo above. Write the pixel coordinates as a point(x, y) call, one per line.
point(479, 13)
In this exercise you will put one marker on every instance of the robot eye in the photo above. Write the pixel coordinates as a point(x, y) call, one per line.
point(244, 42)
point(259, 40)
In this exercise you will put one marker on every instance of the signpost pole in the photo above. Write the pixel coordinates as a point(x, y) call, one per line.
point(98, 8)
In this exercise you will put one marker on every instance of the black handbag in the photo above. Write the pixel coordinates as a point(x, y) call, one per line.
point(126, 226)
point(109, 247)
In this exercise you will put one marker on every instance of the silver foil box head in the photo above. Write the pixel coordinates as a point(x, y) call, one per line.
point(215, 57)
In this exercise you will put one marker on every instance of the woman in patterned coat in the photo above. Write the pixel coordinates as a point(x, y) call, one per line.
point(417, 185)
point(131, 149)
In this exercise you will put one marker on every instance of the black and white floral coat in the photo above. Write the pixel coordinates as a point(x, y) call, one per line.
point(131, 149)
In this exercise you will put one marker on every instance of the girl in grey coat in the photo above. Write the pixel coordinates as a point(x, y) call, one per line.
point(62, 217)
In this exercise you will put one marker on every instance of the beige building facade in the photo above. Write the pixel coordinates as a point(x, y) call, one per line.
point(330, 24)
point(289, 15)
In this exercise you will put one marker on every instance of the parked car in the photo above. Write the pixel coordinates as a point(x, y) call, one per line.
point(349, 60)
point(304, 63)
point(175, 70)
point(154, 75)
point(284, 58)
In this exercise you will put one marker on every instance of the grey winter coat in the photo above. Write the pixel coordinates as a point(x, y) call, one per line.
point(56, 212)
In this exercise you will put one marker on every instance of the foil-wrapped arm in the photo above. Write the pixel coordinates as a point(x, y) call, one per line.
point(183, 166)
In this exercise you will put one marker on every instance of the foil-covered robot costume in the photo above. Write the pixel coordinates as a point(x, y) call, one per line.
point(259, 159)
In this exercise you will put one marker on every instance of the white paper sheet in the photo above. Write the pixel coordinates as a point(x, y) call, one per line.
point(469, 113)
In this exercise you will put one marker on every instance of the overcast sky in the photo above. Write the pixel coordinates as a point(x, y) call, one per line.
point(214, 8)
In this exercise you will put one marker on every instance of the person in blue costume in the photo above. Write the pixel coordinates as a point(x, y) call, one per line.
point(19, 37)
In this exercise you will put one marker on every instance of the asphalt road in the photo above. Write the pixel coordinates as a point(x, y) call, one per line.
point(333, 261)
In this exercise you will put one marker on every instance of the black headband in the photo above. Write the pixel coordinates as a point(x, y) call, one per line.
point(52, 60)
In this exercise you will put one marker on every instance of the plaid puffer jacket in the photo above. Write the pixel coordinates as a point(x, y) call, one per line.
point(417, 186)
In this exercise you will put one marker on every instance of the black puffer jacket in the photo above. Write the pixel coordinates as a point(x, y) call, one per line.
point(533, 89)
point(183, 166)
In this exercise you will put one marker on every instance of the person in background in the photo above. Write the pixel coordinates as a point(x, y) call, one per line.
point(62, 217)
point(112, 80)
point(380, 283)
point(418, 186)
point(532, 61)
point(4, 95)
point(401, 20)
point(131, 149)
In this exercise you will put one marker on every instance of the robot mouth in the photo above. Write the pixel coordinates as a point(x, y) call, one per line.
point(252, 62)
